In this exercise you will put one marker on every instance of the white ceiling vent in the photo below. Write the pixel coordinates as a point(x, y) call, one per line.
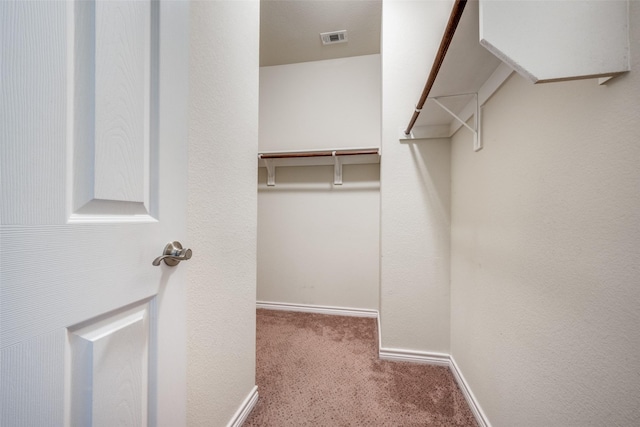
point(334, 37)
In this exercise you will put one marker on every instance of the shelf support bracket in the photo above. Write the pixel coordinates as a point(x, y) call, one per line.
point(337, 169)
point(271, 172)
point(477, 141)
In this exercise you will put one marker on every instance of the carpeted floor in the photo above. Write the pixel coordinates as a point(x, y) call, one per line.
point(321, 370)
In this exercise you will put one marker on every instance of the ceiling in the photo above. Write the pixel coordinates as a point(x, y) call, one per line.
point(290, 29)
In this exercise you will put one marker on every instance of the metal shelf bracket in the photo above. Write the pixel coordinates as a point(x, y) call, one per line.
point(477, 137)
point(271, 171)
point(337, 169)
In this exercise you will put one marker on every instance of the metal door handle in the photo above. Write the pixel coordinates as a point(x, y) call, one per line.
point(172, 255)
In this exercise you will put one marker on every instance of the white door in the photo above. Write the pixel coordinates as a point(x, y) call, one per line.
point(93, 134)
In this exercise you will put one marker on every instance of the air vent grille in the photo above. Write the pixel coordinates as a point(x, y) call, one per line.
point(334, 37)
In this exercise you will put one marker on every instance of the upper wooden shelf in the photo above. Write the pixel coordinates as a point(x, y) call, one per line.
point(558, 40)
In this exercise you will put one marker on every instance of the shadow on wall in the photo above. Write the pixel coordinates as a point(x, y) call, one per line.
point(432, 159)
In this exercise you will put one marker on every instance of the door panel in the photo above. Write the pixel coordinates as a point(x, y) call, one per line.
point(109, 359)
point(93, 121)
point(122, 82)
point(113, 103)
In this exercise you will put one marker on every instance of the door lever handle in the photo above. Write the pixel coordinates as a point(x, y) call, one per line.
point(172, 255)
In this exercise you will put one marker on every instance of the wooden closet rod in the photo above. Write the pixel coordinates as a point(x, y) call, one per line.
point(454, 19)
point(317, 154)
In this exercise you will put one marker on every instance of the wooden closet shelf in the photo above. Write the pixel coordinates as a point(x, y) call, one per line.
point(337, 158)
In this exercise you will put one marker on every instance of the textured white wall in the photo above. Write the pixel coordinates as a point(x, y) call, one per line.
point(222, 208)
point(318, 243)
point(546, 253)
point(320, 104)
point(415, 191)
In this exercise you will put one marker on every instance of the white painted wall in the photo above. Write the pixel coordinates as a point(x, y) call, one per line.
point(546, 253)
point(318, 243)
point(222, 208)
point(320, 104)
point(415, 190)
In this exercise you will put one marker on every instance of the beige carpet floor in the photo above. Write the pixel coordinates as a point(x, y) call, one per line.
point(322, 370)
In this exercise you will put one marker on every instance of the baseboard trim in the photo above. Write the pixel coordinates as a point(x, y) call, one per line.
point(378, 322)
point(402, 355)
point(318, 309)
point(245, 408)
point(478, 413)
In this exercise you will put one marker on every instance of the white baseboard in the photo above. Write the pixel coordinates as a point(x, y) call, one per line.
point(478, 413)
point(402, 355)
point(378, 322)
point(245, 409)
point(319, 309)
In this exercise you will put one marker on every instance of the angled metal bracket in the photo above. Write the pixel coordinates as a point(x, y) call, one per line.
point(477, 140)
